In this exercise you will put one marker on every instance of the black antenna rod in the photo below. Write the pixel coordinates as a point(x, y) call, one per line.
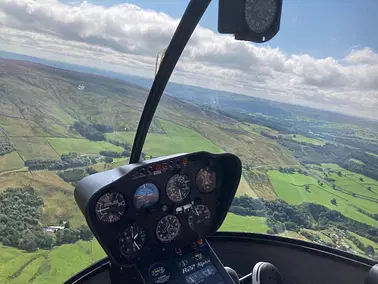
point(184, 31)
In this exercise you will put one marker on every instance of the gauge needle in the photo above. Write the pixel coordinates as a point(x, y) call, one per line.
point(132, 233)
point(135, 236)
point(103, 209)
point(180, 194)
point(136, 245)
point(196, 211)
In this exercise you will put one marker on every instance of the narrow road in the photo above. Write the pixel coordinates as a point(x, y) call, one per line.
point(23, 169)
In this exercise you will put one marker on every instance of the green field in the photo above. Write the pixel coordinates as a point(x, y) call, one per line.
point(84, 146)
point(34, 148)
point(46, 267)
point(10, 162)
point(20, 127)
point(255, 128)
point(177, 139)
point(291, 188)
point(293, 235)
point(304, 139)
point(357, 161)
point(235, 223)
point(351, 181)
point(366, 241)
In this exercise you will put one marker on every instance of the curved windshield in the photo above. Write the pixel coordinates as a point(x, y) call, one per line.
point(299, 111)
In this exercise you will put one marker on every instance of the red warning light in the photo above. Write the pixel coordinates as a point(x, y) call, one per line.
point(185, 162)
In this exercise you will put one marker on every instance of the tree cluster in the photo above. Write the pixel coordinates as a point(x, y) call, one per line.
point(330, 153)
point(72, 235)
point(103, 128)
point(20, 212)
point(287, 170)
point(91, 171)
point(71, 160)
point(282, 216)
point(72, 175)
point(113, 154)
point(124, 145)
point(88, 131)
point(6, 146)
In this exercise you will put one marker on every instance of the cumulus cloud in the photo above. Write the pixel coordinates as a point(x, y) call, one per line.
point(126, 38)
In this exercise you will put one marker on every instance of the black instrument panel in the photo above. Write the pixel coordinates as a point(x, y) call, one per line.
point(166, 202)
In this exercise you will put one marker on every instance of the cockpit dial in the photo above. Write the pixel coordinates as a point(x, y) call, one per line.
point(178, 187)
point(206, 179)
point(110, 207)
point(132, 240)
point(199, 218)
point(168, 228)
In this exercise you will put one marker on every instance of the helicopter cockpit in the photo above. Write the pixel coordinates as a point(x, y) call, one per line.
point(155, 218)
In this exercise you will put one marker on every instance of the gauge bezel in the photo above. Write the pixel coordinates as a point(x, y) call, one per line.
point(190, 187)
point(255, 29)
point(163, 265)
point(151, 206)
point(178, 233)
point(129, 255)
point(120, 217)
point(193, 226)
point(217, 180)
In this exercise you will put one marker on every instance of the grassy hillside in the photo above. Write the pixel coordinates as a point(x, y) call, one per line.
point(43, 266)
point(235, 223)
point(292, 189)
point(304, 139)
point(84, 146)
point(365, 241)
point(10, 162)
point(176, 139)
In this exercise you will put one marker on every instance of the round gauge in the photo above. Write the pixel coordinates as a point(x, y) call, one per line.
point(146, 195)
point(132, 240)
point(199, 217)
point(260, 14)
point(110, 207)
point(206, 179)
point(178, 187)
point(168, 228)
point(160, 274)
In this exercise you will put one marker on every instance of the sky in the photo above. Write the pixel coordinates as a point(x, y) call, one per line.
point(325, 55)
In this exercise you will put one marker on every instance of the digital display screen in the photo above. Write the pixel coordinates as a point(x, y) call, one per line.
point(197, 267)
point(199, 275)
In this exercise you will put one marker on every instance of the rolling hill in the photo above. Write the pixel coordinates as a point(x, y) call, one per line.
point(46, 113)
point(39, 105)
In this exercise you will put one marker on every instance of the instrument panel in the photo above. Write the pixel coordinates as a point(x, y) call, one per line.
point(162, 203)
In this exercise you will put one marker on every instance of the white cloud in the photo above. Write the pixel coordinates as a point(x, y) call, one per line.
point(126, 38)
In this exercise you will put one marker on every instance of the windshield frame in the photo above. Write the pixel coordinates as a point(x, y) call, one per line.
point(183, 33)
